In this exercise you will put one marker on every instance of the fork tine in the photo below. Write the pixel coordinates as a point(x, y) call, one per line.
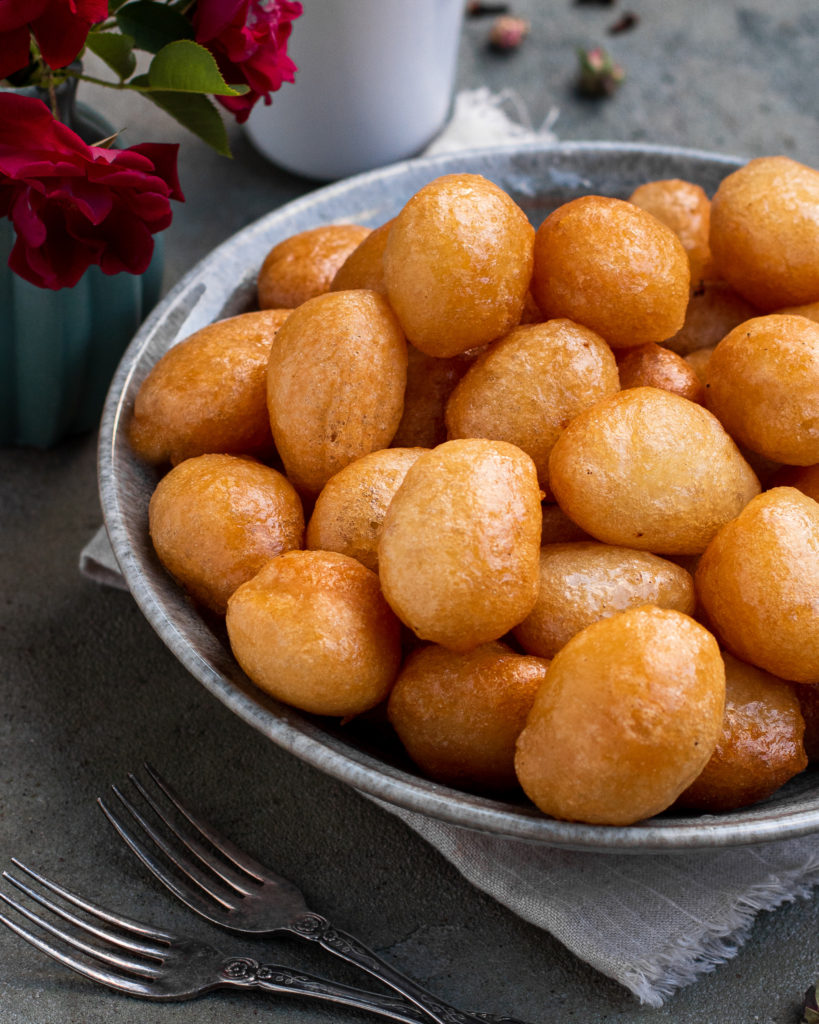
point(229, 850)
point(188, 888)
point(115, 981)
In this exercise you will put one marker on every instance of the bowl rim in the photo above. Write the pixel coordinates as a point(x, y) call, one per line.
point(173, 619)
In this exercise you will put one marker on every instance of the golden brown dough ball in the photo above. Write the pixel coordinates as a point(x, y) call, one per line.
point(348, 513)
point(458, 263)
point(647, 469)
point(809, 309)
point(686, 209)
point(627, 717)
point(335, 384)
point(304, 265)
point(458, 552)
point(215, 520)
point(557, 527)
point(364, 267)
point(763, 385)
point(758, 582)
point(614, 268)
point(585, 581)
point(714, 309)
point(698, 361)
point(803, 478)
point(528, 386)
point(765, 232)
point(313, 630)
point(207, 393)
point(761, 745)
point(459, 715)
point(653, 366)
point(430, 382)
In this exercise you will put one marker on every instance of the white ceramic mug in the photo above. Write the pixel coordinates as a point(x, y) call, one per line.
point(374, 85)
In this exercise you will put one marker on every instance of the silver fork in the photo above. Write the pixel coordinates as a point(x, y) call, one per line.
point(232, 889)
point(153, 963)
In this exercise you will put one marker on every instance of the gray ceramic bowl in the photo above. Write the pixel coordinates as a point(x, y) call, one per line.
point(362, 754)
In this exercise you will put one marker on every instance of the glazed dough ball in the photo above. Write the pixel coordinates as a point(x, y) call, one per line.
point(458, 263)
point(364, 267)
point(614, 268)
point(585, 581)
point(765, 232)
point(758, 582)
point(763, 385)
point(627, 717)
point(528, 386)
point(647, 469)
point(335, 384)
point(761, 745)
point(304, 265)
point(207, 393)
point(348, 513)
point(459, 715)
point(430, 382)
point(653, 366)
point(686, 209)
point(216, 519)
point(458, 552)
point(313, 630)
point(713, 310)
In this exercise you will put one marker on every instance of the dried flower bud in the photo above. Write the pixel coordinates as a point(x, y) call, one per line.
point(810, 1009)
point(599, 74)
point(508, 32)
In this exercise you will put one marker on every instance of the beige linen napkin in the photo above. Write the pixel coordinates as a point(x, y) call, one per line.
point(653, 922)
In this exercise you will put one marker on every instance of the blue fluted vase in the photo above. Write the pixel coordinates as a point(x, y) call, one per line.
point(59, 349)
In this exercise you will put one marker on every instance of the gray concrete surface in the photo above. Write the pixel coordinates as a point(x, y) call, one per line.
point(87, 691)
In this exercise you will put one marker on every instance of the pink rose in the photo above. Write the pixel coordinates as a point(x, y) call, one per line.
point(248, 38)
point(59, 26)
point(74, 205)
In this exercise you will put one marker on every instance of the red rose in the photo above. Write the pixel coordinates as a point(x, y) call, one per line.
point(248, 38)
point(74, 205)
point(59, 26)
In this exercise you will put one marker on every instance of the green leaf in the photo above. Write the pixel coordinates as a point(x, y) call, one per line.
point(185, 66)
point(196, 113)
point(153, 25)
point(116, 50)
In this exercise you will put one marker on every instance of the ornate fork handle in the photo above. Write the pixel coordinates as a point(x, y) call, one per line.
point(347, 947)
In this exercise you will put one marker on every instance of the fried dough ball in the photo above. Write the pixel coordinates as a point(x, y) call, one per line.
point(430, 382)
point(647, 469)
point(614, 268)
point(761, 745)
point(763, 385)
point(809, 309)
point(698, 361)
point(458, 551)
point(458, 263)
point(653, 366)
point(348, 513)
point(765, 232)
point(803, 478)
point(459, 715)
point(335, 384)
point(528, 386)
point(313, 630)
point(364, 267)
point(304, 265)
point(207, 393)
point(758, 582)
point(686, 209)
point(216, 519)
point(586, 581)
point(714, 309)
point(627, 717)
point(557, 527)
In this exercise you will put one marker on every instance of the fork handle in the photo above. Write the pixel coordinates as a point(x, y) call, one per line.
point(318, 929)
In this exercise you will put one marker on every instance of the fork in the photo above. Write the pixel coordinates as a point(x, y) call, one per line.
point(153, 963)
point(230, 888)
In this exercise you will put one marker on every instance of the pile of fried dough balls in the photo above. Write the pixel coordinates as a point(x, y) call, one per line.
point(546, 501)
